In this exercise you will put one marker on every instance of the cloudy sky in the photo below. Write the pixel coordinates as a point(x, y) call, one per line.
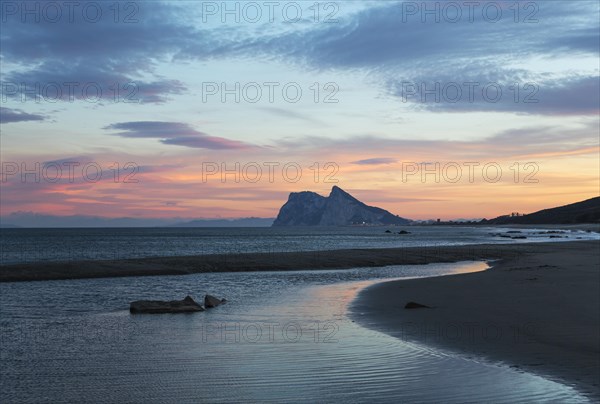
point(208, 109)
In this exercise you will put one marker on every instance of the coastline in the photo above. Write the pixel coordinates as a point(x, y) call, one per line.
point(537, 308)
point(277, 261)
point(538, 311)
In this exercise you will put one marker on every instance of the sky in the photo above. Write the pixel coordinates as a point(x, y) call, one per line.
point(193, 109)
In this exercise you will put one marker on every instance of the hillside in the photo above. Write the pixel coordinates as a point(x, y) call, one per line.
point(587, 211)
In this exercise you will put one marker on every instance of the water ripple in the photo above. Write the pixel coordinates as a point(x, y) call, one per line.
point(74, 341)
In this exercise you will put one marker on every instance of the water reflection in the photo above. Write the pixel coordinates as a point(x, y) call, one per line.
point(282, 337)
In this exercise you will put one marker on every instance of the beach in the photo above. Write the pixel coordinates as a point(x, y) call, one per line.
point(281, 337)
point(538, 311)
point(335, 258)
point(534, 311)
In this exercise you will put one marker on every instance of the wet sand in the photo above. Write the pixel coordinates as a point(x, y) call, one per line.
point(279, 261)
point(538, 311)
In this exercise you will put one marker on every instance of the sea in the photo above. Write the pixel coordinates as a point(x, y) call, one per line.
point(283, 336)
point(75, 244)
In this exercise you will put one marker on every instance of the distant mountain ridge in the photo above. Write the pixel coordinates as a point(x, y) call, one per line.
point(241, 222)
point(587, 211)
point(38, 220)
point(338, 209)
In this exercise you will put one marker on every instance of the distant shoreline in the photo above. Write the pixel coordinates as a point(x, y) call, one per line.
point(538, 311)
point(277, 261)
point(568, 226)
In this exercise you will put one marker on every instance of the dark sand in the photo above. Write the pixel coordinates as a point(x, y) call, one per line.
point(264, 261)
point(538, 310)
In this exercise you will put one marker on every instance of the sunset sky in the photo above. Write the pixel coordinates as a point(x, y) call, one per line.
point(298, 85)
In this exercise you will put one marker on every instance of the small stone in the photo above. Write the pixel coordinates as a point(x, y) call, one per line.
point(414, 305)
point(211, 301)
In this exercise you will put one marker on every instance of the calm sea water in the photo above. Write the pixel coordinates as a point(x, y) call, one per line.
point(282, 337)
point(33, 245)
